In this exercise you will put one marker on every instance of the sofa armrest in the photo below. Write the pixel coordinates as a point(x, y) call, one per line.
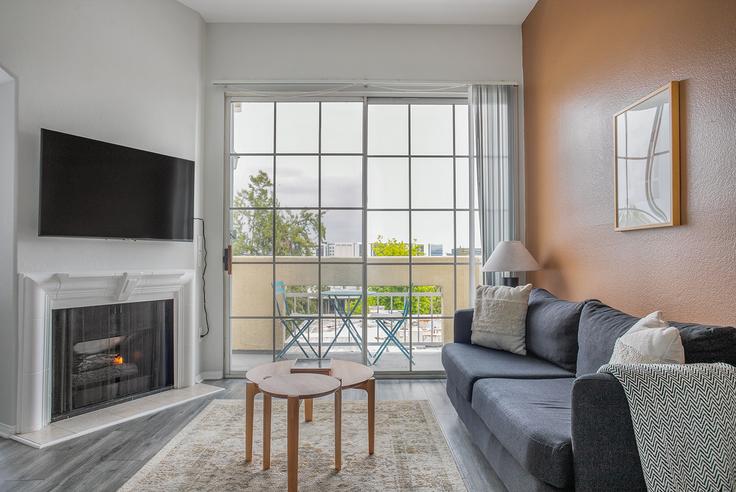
point(604, 447)
point(463, 321)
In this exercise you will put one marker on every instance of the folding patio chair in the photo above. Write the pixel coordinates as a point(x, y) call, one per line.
point(295, 326)
point(392, 331)
point(345, 316)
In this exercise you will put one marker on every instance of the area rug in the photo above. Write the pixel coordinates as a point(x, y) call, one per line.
point(411, 453)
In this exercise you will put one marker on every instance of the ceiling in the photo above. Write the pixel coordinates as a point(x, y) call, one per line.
point(487, 12)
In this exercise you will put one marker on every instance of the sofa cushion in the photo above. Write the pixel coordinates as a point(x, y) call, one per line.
point(552, 328)
point(465, 364)
point(601, 325)
point(531, 419)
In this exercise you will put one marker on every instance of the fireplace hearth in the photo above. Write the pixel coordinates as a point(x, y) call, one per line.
point(106, 354)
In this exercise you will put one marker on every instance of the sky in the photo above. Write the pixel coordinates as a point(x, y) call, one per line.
point(297, 131)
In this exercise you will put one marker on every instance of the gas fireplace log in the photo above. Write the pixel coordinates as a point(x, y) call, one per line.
point(91, 347)
point(92, 362)
point(104, 374)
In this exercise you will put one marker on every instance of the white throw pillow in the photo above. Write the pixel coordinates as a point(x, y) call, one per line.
point(499, 320)
point(650, 341)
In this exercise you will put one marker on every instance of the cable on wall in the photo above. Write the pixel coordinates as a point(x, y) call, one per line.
point(204, 290)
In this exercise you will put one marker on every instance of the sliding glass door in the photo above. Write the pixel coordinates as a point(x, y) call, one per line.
point(349, 227)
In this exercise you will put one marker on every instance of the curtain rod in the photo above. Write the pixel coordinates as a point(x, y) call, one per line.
point(369, 82)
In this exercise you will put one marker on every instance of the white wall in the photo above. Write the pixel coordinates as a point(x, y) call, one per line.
point(123, 71)
point(330, 52)
point(8, 298)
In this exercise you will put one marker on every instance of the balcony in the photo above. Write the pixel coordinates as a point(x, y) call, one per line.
point(326, 297)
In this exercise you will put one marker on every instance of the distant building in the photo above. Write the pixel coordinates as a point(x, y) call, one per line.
point(435, 249)
point(464, 252)
point(343, 250)
point(347, 250)
point(328, 249)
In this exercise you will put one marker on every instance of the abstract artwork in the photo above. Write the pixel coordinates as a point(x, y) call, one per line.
point(647, 161)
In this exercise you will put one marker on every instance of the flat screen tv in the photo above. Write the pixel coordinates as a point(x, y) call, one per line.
point(96, 189)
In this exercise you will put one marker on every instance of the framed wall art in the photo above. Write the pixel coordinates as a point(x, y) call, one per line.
point(647, 161)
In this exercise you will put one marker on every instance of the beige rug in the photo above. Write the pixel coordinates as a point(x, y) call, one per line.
point(208, 454)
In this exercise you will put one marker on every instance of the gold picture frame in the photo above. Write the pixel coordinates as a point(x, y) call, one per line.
point(646, 164)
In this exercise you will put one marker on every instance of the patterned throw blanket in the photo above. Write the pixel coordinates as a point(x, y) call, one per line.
point(684, 420)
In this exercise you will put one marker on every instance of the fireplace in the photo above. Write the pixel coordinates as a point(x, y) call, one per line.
point(45, 384)
point(106, 354)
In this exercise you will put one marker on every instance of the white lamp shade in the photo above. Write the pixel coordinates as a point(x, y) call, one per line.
point(510, 256)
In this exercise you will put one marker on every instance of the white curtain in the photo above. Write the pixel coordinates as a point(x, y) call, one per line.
point(494, 151)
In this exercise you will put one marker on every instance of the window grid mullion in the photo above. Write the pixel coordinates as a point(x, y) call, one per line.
point(454, 217)
point(411, 249)
point(273, 241)
point(319, 234)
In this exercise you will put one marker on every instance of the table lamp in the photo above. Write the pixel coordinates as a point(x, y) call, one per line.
point(511, 256)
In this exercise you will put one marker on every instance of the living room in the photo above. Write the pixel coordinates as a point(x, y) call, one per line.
point(486, 245)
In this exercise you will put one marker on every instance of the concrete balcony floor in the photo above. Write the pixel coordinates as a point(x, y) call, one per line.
point(425, 359)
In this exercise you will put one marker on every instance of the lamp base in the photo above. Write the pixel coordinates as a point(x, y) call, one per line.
point(510, 281)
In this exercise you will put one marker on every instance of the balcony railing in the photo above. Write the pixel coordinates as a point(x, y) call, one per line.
point(440, 288)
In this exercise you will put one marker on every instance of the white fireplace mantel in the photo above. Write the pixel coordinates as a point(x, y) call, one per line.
point(39, 293)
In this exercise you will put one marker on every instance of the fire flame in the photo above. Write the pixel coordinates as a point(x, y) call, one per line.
point(118, 360)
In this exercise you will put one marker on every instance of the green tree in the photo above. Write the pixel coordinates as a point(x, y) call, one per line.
point(298, 233)
point(394, 247)
point(420, 305)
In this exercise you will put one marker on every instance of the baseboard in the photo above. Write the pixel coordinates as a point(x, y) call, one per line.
point(6, 430)
point(205, 375)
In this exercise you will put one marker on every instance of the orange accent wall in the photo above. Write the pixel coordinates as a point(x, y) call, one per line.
point(584, 60)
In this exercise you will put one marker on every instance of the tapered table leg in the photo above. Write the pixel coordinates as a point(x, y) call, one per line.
point(371, 389)
point(308, 409)
point(251, 390)
point(338, 429)
point(293, 443)
point(266, 431)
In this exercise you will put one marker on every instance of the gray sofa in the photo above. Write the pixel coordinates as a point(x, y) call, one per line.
point(547, 420)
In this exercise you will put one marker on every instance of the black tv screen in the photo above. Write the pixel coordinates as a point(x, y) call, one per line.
point(96, 189)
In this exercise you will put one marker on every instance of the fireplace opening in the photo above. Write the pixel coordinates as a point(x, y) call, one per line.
point(103, 355)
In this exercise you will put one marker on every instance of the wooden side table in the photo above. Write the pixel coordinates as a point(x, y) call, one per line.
point(295, 388)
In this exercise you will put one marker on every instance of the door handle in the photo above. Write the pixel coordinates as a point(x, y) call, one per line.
point(227, 259)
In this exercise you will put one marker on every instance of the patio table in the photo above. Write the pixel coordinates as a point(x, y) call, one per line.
point(338, 298)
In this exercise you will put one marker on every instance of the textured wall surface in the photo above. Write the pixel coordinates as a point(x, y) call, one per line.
point(584, 60)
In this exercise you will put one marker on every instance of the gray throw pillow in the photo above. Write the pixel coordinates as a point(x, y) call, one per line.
point(499, 321)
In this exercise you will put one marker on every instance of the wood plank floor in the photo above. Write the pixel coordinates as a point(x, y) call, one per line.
point(106, 459)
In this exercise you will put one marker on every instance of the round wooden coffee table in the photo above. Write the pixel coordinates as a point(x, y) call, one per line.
point(295, 388)
point(351, 374)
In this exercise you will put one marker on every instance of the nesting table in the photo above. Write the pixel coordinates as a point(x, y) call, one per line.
point(275, 380)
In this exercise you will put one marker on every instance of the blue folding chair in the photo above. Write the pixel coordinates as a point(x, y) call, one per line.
point(295, 326)
point(392, 331)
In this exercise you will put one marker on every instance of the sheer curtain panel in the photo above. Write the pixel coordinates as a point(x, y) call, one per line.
point(494, 150)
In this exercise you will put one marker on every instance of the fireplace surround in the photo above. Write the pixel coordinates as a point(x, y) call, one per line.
point(43, 294)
